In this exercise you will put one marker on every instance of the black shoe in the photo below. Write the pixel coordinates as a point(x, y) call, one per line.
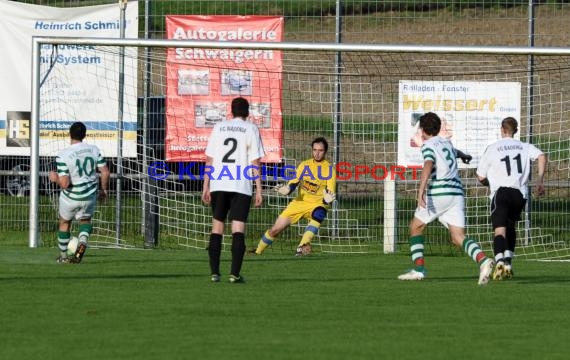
point(236, 279)
point(252, 252)
point(76, 259)
point(63, 260)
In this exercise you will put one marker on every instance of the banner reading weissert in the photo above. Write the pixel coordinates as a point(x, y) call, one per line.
point(471, 113)
point(201, 83)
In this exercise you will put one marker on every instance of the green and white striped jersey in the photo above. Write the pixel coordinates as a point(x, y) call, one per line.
point(444, 179)
point(80, 162)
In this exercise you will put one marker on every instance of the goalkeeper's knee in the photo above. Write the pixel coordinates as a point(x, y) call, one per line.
point(319, 214)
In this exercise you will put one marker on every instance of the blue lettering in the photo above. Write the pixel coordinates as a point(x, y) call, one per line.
point(246, 172)
point(303, 175)
point(185, 170)
point(287, 175)
point(225, 172)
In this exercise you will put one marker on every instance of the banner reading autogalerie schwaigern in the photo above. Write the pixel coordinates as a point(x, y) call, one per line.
point(201, 83)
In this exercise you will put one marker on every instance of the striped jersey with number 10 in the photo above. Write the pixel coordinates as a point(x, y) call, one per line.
point(80, 162)
point(444, 175)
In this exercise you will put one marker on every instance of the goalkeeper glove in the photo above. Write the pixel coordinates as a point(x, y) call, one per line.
point(282, 189)
point(328, 197)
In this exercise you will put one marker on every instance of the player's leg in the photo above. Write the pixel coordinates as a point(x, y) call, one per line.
point(317, 215)
point(422, 217)
point(474, 251)
point(516, 206)
point(469, 245)
point(417, 227)
point(85, 229)
point(511, 236)
point(499, 251)
point(239, 211)
point(453, 217)
point(220, 203)
point(67, 210)
point(290, 215)
point(499, 216)
point(63, 237)
point(85, 211)
point(267, 239)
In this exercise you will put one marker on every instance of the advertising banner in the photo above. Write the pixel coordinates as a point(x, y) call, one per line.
point(471, 114)
point(201, 83)
point(82, 82)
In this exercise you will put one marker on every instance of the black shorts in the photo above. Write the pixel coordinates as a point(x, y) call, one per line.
point(235, 204)
point(506, 207)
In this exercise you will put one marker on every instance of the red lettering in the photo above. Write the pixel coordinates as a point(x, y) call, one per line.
point(415, 169)
point(343, 168)
point(397, 170)
point(360, 170)
point(375, 169)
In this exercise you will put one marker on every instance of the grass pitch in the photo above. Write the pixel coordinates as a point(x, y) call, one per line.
point(160, 304)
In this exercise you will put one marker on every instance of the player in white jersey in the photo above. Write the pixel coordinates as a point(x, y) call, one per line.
point(445, 200)
point(505, 168)
point(76, 174)
point(233, 157)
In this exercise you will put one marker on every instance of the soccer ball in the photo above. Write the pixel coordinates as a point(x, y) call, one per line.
point(72, 246)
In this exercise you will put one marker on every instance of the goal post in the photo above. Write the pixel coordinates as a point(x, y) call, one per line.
point(381, 90)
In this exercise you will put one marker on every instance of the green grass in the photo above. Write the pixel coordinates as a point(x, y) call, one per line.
point(160, 305)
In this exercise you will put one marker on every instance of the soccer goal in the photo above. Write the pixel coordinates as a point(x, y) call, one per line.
point(150, 105)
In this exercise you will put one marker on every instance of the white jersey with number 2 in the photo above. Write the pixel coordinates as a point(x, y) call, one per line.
point(233, 145)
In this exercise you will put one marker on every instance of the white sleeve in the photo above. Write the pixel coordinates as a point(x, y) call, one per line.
point(483, 167)
point(533, 152)
point(256, 150)
point(210, 148)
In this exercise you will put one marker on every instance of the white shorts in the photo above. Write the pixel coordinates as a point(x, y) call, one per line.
point(449, 210)
point(69, 209)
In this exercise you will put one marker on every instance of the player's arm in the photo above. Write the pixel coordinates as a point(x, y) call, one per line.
point(483, 168)
point(257, 176)
point(61, 180)
point(466, 158)
point(291, 185)
point(424, 178)
point(104, 179)
point(329, 194)
point(541, 171)
point(483, 180)
point(206, 185)
point(60, 176)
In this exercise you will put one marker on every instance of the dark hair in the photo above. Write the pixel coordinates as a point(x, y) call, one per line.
point(77, 131)
point(321, 140)
point(430, 123)
point(510, 125)
point(240, 107)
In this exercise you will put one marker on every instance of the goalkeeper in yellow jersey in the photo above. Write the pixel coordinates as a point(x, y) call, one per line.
point(316, 182)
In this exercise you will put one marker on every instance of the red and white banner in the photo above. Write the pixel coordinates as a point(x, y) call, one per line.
point(201, 83)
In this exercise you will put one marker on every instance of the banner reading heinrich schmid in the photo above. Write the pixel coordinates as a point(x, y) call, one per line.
point(201, 83)
point(82, 82)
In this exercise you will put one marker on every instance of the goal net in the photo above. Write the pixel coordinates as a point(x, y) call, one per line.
point(151, 111)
